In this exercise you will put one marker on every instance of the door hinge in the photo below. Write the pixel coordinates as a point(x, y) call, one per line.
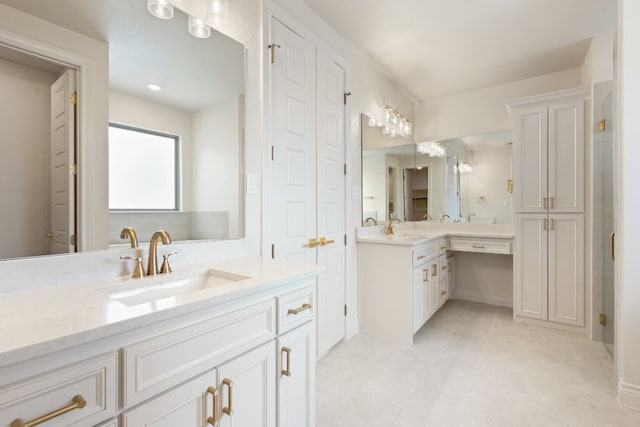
point(273, 149)
point(345, 309)
point(273, 47)
point(74, 169)
point(603, 319)
point(72, 240)
point(345, 97)
point(73, 98)
point(345, 240)
point(273, 251)
point(345, 168)
point(602, 125)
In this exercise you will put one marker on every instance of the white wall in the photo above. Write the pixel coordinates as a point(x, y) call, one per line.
point(628, 232)
point(598, 62)
point(483, 110)
point(25, 211)
point(491, 170)
point(217, 162)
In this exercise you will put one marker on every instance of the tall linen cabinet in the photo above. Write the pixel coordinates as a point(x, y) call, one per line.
point(549, 206)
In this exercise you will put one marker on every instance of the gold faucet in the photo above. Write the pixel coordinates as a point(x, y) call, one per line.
point(443, 216)
point(131, 234)
point(427, 217)
point(471, 214)
point(370, 219)
point(389, 229)
point(152, 265)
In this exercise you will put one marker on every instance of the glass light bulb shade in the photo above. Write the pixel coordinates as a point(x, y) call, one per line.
point(372, 122)
point(198, 28)
point(160, 9)
point(387, 115)
point(393, 133)
point(386, 130)
point(409, 128)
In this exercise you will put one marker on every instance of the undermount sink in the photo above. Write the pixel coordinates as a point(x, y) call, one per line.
point(140, 293)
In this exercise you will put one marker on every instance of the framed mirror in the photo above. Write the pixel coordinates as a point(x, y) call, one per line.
point(200, 107)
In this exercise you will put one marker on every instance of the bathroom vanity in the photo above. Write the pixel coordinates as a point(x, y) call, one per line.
point(405, 277)
point(226, 343)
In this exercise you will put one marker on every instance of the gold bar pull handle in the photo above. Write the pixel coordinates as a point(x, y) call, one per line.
point(325, 242)
point(214, 397)
point(302, 308)
point(425, 275)
point(444, 267)
point(612, 240)
point(420, 257)
point(443, 292)
point(449, 267)
point(228, 409)
point(478, 246)
point(77, 402)
point(544, 203)
point(434, 269)
point(551, 227)
point(287, 371)
point(312, 243)
point(544, 224)
point(552, 202)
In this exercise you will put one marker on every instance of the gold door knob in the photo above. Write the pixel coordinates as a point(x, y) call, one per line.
point(313, 243)
point(325, 242)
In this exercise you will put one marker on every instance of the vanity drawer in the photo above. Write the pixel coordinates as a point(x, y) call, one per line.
point(296, 308)
point(90, 384)
point(422, 254)
point(154, 365)
point(443, 266)
point(489, 246)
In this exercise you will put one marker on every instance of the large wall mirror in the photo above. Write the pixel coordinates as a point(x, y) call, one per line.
point(469, 182)
point(176, 150)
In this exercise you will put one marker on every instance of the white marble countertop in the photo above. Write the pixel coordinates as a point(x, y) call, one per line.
point(415, 233)
point(41, 321)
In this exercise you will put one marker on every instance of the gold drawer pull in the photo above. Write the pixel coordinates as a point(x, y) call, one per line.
point(325, 242)
point(478, 247)
point(443, 293)
point(421, 256)
point(449, 267)
point(78, 402)
point(552, 202)
point(444, 267)
point(214, 396)
point(287, 371)
point(298, 310)
point(228, 409)
point(443, 248)
point(434, 269)
point(425, 275)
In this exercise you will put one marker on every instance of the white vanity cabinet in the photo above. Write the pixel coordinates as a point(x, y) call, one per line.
point(399, 287)
point(451, 275)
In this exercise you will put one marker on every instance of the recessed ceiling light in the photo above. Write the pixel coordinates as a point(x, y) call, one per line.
point(154, 87)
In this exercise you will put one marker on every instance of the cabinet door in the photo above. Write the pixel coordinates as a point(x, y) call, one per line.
point(189, 405)
point(421, 276)
point(451, 276)
point(530, 266)
point(566, 269)
point(296, 373)
point(434, 290)
point(566, 158)
point(530, 156)
point(247, 389)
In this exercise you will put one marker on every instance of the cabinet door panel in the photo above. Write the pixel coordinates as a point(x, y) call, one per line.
point(530, 155)
point(296, 394)
point(566, 158)
point(421, 276)
point(566, 269)
point(530, 266)
point(252, 389)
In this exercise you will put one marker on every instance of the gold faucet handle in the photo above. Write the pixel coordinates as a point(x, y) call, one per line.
point(166, 267)
point(138, 272)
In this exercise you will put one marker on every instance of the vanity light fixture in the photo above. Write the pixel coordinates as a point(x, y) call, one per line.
point(154, 87)
point(431, 148)
point(160, 9)
point(198, 28)
point(397, 122)
point(463, 167)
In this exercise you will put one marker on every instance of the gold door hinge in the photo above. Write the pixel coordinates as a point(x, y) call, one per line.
point(603, 319)
point(602, 125)
point(72, 240)
point(273, 250)
point(273, 47)
point(345, 309)
point(73, 98)
point(74, 169)
point(345, 97)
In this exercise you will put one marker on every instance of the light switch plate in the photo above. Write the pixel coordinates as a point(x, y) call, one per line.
point(252, 184)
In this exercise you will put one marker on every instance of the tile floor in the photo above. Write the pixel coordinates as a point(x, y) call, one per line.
point(470, 365)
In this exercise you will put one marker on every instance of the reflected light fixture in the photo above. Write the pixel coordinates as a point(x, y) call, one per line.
point(431, 148)
point(160, 9)
point(395, 124)
point(463, 167)
point(198, 28)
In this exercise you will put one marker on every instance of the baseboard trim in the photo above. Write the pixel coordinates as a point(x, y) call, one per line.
point(628, 395)
point(492, 299)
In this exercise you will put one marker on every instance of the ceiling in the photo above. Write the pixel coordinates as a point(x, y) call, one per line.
point(195, 73)
point(433, 48)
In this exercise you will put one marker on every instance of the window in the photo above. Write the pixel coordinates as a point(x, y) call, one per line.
point(143, 169)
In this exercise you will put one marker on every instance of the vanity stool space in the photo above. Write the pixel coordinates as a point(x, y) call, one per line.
point(241, 358)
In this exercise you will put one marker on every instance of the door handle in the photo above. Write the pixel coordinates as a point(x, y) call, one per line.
point(325, 242)
point(313, 243)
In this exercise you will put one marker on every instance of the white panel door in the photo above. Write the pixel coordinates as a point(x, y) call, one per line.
point(296, 371)
point(292, 175)
point(247, 389)
point(566, 158)
point(530, 266)
point(62, 161)
point(566, 269)
point(530, 153)
point(330, 196)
